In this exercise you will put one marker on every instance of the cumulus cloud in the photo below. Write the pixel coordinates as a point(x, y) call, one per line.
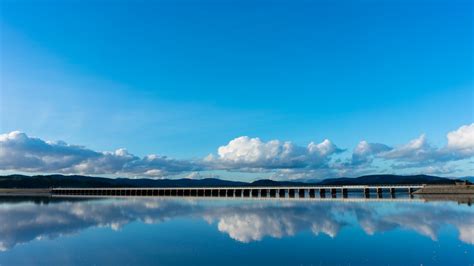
point(279, 159)
point(417, 149)
point(365, 151)
point(462, 140)
point(419, 152)
point(20, 152)
point(289, 161)
point(253, 153)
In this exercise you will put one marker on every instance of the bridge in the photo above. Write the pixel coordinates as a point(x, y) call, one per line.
point(367, 191)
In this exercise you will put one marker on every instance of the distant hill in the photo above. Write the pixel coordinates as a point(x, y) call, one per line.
point(387, 179)
point(79, 181)
point(468, 178)
point(268, 182)
point(46, 181)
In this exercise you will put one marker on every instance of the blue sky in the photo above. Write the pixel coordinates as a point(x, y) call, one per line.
point(182, 78)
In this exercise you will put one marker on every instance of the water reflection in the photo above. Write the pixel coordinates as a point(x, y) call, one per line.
point(248, 221)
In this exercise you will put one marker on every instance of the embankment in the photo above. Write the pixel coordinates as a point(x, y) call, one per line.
point(24, 192)
point(446, 189)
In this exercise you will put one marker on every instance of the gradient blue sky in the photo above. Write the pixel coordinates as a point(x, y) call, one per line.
point(181, 78)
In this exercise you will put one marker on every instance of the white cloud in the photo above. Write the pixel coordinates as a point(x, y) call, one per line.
point(416, 149)
point(194, 175)
point(253, 153)
point(322, 149)
point(365, 151)
point(20, 152)
point(418, 152)
point(462, 140)
point(279, 159)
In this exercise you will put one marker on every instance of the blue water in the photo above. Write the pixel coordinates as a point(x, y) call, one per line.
point(154, 231)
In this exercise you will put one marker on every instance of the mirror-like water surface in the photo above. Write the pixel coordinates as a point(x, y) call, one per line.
point(144, 231)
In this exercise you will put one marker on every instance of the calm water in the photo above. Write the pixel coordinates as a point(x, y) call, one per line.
point(41, 231)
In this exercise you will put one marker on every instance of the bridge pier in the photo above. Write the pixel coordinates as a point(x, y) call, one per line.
point(291, 193)
point(273, 193)
point(379, 193)
point(222, 192)
point(255, 193)
point(282, 193)
point(322, 193)
point(344, 192)
point(392, 192)
point(238, 193)
point(367, 192)
point(302, 193)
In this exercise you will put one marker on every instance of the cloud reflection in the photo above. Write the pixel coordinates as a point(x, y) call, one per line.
point(242, 221)
point(253, 223)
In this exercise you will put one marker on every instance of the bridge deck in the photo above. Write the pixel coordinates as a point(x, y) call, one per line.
point(256, 187)
point(241, 191)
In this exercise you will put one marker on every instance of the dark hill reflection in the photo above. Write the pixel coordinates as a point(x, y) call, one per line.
point(245, 222)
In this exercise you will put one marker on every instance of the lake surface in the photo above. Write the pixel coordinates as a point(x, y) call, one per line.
point(176, 231)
